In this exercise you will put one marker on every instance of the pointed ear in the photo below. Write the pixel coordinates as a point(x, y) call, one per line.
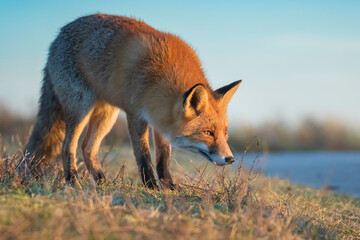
point(195, 100)
point(225, 94)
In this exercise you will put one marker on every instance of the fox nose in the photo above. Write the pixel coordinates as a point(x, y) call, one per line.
point(229, 160)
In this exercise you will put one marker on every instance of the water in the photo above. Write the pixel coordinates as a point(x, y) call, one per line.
point(339, 171)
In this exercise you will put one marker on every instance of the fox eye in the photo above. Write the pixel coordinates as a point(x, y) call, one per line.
point(209, 133)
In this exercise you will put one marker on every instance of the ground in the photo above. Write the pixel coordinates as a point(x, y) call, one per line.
point(210, 203)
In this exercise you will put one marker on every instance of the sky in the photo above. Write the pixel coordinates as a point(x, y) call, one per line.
point(297, 59)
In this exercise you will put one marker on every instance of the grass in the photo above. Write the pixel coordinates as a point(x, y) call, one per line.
point(211, 203)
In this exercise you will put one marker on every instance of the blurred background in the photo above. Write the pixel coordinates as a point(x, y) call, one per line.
point(299, 62)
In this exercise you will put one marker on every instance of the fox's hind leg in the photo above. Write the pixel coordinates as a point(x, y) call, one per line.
point(102, 120)
point(163, 154)
point(74, 125)
point(77, 103)
point(139, 134)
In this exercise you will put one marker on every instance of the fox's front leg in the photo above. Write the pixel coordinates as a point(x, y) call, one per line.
point(163, 154)
point(139, 134)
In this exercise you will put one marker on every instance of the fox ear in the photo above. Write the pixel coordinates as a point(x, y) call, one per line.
point(225, 93)
point(195, 100)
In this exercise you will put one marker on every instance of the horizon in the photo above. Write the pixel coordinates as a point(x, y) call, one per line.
point(296, 59)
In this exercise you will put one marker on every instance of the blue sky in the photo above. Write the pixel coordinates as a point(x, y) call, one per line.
point(296, 58)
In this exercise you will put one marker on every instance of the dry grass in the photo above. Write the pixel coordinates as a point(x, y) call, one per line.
point(211, 203)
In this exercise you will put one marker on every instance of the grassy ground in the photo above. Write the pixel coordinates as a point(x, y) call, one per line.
point(211, 203)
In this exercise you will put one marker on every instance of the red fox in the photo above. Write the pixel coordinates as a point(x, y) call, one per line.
point(99, 64)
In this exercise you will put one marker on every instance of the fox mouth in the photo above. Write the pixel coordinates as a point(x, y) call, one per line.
point(206, 155)
point(201, 152)
point(200, 149)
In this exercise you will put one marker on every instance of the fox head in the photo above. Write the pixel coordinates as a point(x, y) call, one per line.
point(203, 125)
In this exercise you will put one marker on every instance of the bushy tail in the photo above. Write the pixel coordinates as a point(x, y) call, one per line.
point(48, 133)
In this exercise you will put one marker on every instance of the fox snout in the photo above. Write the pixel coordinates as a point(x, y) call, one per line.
point(220, 161)
point(220, 152)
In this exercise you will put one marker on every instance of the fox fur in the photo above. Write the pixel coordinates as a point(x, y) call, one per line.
point(99, 64)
